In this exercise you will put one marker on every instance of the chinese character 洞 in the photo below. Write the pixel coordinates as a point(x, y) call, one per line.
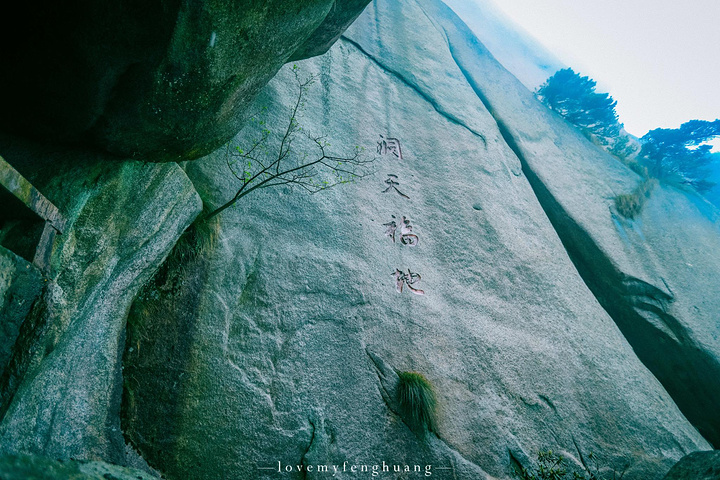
point(409, 278)
point(392, 145)
point(391, 182)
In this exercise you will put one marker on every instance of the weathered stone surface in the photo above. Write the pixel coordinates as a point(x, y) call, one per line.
point(158, 80)
point(20, 285)
point(21, 200)
point(270, 328)
point(18, 186)
point(60, 395)
point(656, 275)
point(30, 467)
point(696, 466)
point(340, 17)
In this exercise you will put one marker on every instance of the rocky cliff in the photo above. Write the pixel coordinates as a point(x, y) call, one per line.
point(157, 80)
point(273, 335)
point(650, 273)
point(289, 314)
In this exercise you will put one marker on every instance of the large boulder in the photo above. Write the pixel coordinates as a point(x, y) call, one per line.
point(340, 17)
point(279, 345)
point(655, 274)
point(696, 466)
point(158, 80)
point(31, 467)
point(60, 395)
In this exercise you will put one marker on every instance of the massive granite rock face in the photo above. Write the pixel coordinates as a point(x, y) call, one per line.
point(159, 80)
point(654, 274)
point(272, 336)
point(60, 395)
point(278, 344)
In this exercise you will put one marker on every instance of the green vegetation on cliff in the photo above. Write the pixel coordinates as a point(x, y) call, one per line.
point(417, 400)
point(290, 161)
point(574, 97)
point(681, 155)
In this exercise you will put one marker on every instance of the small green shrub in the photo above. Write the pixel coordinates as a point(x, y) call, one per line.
point(417, 401)
point(629, 205)
point(552, 466)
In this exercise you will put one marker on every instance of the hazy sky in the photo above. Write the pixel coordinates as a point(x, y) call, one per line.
point(660, 59)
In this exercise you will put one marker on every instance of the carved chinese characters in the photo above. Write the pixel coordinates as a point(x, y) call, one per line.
point(406, 236)
point(392, 182)
point(389, 145)
point(409, 278)
point(403, 232)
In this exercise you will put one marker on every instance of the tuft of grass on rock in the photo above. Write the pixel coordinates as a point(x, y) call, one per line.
point(553, 466)
point(416, 397)
point(629, 205)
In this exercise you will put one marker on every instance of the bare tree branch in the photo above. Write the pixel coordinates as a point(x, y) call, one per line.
point(286, 166)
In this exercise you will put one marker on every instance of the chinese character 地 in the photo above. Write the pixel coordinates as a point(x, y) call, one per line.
point(409, 278)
